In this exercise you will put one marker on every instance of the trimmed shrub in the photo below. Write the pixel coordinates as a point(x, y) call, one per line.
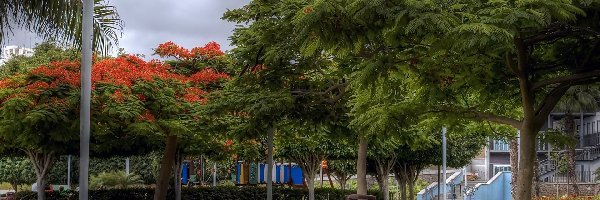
point(222, 193)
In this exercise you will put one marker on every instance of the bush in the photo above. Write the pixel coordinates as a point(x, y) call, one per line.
point(115, 179)
point(223, 193)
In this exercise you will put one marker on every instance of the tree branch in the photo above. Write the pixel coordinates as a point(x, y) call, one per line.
point(557, 32)
point(549, 102)
point(483, 116)
point(583, 76)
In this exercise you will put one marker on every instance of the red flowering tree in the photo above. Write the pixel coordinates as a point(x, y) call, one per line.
point(39, 109)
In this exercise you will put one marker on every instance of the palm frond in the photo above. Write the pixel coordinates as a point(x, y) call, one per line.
point(61, 20)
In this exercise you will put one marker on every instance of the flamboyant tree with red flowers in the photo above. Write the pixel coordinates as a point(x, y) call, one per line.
point(130, 98)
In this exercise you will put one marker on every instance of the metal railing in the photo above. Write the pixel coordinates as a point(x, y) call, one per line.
point(503, 146)
point(431, 191)
point(499, 146)
point(591, 139)
point(580, 177)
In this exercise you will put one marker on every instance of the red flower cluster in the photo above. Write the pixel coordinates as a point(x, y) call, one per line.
point(62, 72)
point(194, 95)
point(147, 116)
point(118, 96)
point(126, 70)
point(207, 76)
point(171, 49)
point(208, 51)
point(37, 87)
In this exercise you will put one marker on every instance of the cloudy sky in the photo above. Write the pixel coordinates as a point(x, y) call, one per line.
point(148, 23)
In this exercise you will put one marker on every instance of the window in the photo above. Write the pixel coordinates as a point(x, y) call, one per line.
point(588, 128)
point(593, 127)
point(501, 168)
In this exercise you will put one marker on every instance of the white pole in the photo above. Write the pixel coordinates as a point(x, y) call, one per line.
point(270, 162)
point(321, 172)
point(466, 179)
point(444, 162)
point(69, 170)
point(86, 93)
point(127, 166)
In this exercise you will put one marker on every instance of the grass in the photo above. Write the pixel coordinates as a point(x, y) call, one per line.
point(7, 186)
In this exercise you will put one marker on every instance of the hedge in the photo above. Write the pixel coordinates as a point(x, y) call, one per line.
point(223, 193)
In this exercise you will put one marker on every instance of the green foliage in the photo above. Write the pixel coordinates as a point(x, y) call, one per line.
point(223, 193)
point(114, 179)
point(16, 171)
point(44, 53)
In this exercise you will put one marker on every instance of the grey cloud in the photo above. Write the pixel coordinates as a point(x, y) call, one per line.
point(148, 23)
point(186, 22)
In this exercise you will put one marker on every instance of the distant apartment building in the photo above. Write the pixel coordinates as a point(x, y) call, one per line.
point(10, 51)
point(495, 156)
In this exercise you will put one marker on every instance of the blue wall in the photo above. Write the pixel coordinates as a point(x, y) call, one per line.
point(498, 188)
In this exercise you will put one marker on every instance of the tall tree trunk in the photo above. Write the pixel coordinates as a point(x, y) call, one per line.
point(166, 167)
point(310, 180)
point(14, 185)
point(178, 169)
point(572, 131)
point(384, 166)
point(526, 162)
point(309, 164)
point(42, 162)
point(514, 165)
point(536, 179)
point(361, 166)
point(329, 178)
point(400, 177)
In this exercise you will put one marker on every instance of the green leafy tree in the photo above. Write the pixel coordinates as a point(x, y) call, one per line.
point(308, 145)
point(16, 171)
point(39, 120)
point(274, 82)
point(61, 20)
point(479, 60)
point(342, 171)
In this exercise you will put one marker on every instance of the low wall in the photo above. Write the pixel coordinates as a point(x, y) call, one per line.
point(552, 189)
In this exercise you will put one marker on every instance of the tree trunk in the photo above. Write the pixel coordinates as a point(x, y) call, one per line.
point(166, 167)
point(329, 178)
point(526, 162)
point(572, 131)
point(361, 166)
point(514, 165)
point(178, 166)
point(42, 162)
point(309, 164)
point(311, 187)
point(270, 131)
point(384, 166)
point(411, 190)
point(14, 185)
point(536, 179)
point(402, 184)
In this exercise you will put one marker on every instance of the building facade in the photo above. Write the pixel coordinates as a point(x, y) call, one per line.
point(495, 156)
point(11, 51)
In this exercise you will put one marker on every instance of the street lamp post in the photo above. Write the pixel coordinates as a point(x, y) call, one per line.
point(86, 93)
